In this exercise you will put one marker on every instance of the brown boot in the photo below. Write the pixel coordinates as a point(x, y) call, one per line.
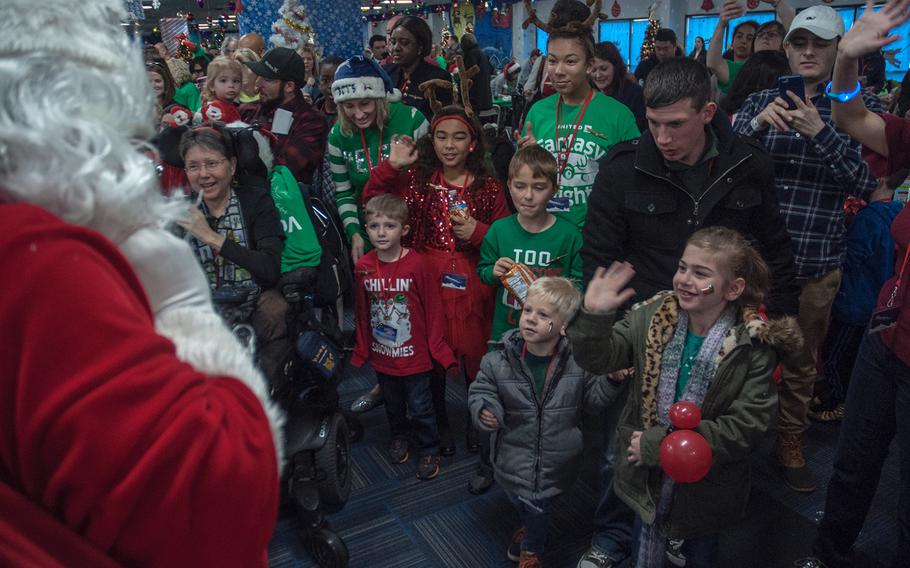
point(797, 474)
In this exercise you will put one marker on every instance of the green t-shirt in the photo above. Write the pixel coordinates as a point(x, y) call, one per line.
point(733, 68)
point(552, 252)
point(301, 245)
point(690, 353)
point(539, 365)
point(350, 169)
point(605, 123)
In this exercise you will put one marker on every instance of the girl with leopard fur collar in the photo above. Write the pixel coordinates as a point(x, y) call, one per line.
point(702, 342)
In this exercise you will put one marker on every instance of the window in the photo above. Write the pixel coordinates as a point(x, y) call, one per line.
point(704, 26)
point(542, 41)
point(618, 32)
point(639, 27)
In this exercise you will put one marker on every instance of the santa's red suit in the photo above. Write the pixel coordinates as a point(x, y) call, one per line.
point(120, 444)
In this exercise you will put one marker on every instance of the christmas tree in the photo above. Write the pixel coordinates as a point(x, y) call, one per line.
point(647, 46)
point(292, 29)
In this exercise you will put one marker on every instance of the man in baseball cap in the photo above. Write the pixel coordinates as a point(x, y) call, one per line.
point(279, 64)
point(300, 130)
point(823, 21)
point(815, 168)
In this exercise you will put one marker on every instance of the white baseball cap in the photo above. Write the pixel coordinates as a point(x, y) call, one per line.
point(822, 21)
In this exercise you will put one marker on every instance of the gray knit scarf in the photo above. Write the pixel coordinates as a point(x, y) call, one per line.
point(653, 539)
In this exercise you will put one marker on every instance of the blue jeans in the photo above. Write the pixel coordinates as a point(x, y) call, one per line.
point(878, 408)
point(613, 519)
point(411, 393)
point(533, 514)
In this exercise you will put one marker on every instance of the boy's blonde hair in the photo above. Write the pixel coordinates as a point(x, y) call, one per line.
point(737, 259)
point(559, 292)
point(539, 160)
point(389, 205)
point(219, 66)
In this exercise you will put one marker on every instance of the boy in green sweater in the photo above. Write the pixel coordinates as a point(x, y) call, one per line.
point(546, 244)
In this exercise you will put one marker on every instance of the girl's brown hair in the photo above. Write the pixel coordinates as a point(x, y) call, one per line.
point(160, 67)
point(428, 162)
point(737, 259)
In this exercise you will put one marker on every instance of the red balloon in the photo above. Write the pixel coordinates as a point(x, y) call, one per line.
point(685, 456)
point(685, 415)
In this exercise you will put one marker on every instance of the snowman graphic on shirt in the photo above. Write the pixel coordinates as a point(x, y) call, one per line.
point(390, 319)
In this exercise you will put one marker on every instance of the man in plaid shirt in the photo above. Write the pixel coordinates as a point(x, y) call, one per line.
point(816, 167)
point(300, 130)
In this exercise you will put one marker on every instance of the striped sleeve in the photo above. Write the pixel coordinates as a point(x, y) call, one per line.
point(421, 126)
point(344, 193)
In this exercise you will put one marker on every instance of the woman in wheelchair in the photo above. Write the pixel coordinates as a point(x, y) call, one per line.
point(234, 231)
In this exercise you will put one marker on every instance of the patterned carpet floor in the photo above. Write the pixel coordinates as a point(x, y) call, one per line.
point(394, 520)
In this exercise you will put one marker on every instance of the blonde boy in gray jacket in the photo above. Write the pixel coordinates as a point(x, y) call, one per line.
point(531, 393)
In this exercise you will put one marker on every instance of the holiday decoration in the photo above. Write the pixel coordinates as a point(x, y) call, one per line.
point(752, 4)
point(647, 46)
point(462, 17)
point(616, 9)
point(707, 5)
point(292, 29)
point(171, 28)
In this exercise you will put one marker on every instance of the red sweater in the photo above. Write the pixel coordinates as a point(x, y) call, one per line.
point(104, 433)
point(399, 316)
point(428, 209)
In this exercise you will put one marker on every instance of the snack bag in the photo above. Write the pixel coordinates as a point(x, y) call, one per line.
point(517, 280)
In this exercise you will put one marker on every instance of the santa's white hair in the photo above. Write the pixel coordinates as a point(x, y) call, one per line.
point(76, 113)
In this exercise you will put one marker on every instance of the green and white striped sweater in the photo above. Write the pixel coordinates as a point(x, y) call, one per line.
point(350, 169)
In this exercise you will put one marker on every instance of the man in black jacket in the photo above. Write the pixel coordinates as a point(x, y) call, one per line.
point(687, 172)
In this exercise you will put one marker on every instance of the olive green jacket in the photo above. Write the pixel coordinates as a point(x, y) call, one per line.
point(738, 409)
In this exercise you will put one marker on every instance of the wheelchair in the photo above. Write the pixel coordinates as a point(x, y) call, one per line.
point(317, 435)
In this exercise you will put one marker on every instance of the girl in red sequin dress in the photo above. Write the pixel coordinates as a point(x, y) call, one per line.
point(452, 199)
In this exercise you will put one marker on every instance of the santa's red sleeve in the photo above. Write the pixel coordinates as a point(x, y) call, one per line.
point(104, 427)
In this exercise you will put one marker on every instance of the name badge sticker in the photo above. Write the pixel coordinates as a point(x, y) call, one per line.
point(455, 281)
point(558, 204)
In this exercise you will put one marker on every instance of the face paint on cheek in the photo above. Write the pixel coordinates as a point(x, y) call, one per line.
point(707, 290)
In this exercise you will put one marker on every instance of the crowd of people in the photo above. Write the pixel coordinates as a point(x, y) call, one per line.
point(724, 229)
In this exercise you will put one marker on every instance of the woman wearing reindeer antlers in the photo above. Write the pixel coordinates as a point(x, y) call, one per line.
point(578, 124)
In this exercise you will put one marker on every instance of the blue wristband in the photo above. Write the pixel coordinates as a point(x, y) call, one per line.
point(842, 97)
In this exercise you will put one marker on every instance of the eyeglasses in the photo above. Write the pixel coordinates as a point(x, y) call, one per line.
point(209, 165)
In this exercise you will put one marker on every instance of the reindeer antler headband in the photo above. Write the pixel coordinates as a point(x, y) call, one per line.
point(595, 15)
point(428, 88)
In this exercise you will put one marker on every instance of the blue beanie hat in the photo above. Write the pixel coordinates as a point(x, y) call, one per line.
point(362, 78)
